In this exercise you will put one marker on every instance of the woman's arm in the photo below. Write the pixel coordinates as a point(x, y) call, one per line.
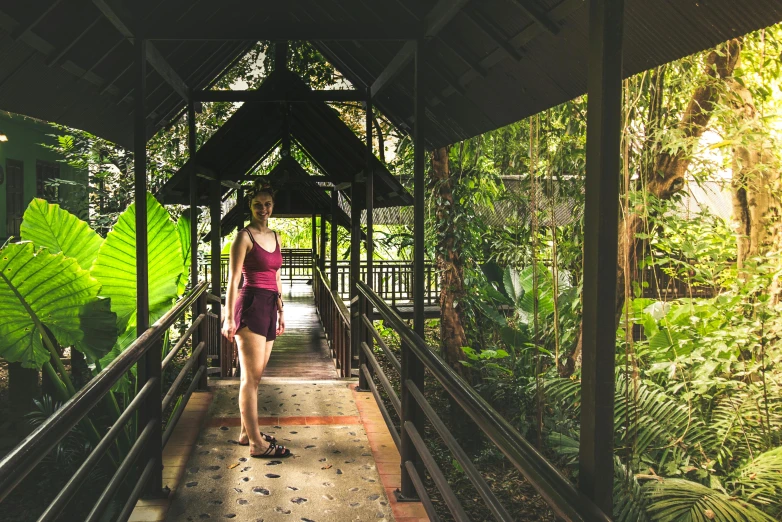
point(235, 261)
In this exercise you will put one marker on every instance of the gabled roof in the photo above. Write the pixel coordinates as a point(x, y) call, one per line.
point(489, 63)
point(297, 195)
point(257, 127)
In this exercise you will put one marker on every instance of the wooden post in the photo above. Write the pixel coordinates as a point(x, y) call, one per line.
point(369, 196)
point(356, 326)
point(601, 215)
point(412, 368)
point(215, 210)
point(192, 146)
point(323, 239)
point(205, 335)
point(148, 369)
point(314, 238)
point(334, 251)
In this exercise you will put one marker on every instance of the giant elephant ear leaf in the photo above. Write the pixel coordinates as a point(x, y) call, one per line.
point(37, 289)
point(115, 266)
point(57, 230)
point(183, 229)
point(99, 324)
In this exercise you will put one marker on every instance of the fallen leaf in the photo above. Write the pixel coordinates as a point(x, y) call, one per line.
point(232, 466)
point(326, 467)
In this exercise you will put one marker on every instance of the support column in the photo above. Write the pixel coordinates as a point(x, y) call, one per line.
point(323, 239)
point(369, 197)
point(355, 273)
point(215, 211)
point(314, 237)
point(334, 278)
point(148, 368)
point(601, 216)
point(412, 368)
point(192, 146)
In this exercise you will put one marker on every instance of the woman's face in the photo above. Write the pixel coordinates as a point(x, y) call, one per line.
point(261, 206)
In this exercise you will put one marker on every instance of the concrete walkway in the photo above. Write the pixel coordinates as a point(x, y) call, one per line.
point(344, 467)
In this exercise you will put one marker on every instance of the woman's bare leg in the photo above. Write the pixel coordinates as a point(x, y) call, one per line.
point(266, 355)
point(252, 356)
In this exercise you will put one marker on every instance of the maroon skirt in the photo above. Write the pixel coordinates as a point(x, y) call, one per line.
point(256, 308)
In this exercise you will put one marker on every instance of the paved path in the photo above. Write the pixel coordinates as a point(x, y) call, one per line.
point(345, 465)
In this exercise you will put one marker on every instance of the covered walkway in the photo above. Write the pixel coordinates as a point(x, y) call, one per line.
point(345, 464)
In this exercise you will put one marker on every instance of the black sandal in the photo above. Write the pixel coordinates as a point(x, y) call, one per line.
point(268, 438)
point(274, 451)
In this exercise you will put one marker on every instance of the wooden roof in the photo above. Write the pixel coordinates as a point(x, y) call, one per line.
point(257, 127)
point(491, 62)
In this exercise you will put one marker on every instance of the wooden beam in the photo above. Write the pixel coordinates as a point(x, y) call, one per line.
point(289, 30)
point(442, 13)
point(59, 55)
point(541, 18)
point(114, 13)
point(601, 221)
point(210, 175)
point(334, 95)
point(22, 29)
point(480, 21)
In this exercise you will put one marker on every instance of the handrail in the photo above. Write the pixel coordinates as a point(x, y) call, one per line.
point(566, 501)
point(343, 310)
point(22, 459)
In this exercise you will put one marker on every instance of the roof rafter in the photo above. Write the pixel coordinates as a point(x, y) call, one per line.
point(287, 96)
point(288, 30)
point(442, 13)
point(113, 12)
point(541, 18)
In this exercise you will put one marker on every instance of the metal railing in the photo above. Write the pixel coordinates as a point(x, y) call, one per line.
point(145, 453)
point(335, 318)
point(413, 408)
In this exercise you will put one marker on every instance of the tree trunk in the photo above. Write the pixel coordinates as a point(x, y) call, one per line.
point(667, 176)
point(757, 208)
point(449, 264)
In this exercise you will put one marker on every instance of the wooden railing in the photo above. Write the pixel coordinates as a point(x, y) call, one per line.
point(336, 322)
point(391, 279)
point(296, 266)
point(413, 409)
point(142, 464)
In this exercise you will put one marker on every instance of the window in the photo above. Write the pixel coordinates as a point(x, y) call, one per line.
point(44, 171)
point(14, 196)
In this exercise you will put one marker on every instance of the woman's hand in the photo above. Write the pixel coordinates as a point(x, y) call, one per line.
point(229, 328)
point(281, 324)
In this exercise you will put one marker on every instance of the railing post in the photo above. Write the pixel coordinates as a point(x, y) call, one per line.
point(206, 335)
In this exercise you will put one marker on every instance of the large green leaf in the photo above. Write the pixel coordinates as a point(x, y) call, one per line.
point(183, 230)
point(115, 267)
point(57, 230)
point(99, 325)
point(40, 288)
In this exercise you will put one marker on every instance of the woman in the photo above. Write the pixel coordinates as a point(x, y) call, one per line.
point(254, 314)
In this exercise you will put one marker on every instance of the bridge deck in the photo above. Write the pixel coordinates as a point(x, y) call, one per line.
point(345, 464)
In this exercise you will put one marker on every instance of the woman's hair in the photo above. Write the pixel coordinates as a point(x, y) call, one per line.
point(260, 186)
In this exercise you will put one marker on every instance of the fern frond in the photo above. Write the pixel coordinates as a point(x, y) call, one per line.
point(760, 481)
point(679, 500)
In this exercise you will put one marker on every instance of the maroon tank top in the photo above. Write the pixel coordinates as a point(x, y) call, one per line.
point(260, 266)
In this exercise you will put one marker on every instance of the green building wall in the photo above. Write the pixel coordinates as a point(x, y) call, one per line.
point(25, 139)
